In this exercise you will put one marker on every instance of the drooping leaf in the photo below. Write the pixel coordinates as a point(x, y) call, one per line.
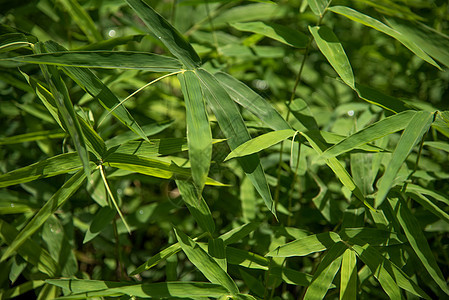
point(331, 48)
point(199, 136)
point(196, 205)
point(233, 127)
point(348, 280)
point(102, 218)
point(418, 241)
point(166, 33)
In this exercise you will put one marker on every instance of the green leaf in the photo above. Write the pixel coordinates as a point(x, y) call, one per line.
point(348, 279)
point(416, 128)
point(275, 31)
point(59, 164)
point(331, 48)
point(196, 205)
point(428, 204)
point(21, 289)
point(260, 143)
point(150, 166)
point(252, 101)
point(166, 33)
point(82, 19)
point(305, 246)
point(380, 99)
point(102, 218)
point(33, 136)
point(373, 236)
point(318, 6)
point(316, 141)
point(205, 263)
point(325, 273)
point(199, 136)
point(370, 133)
point(291, 276)
point(83, 289)
point(390, 276)
point(234, 128)
point(104, 59)
point(418, 241)
point(30, 250)
point(58, 199)
point(376, 24)
point(217, 249)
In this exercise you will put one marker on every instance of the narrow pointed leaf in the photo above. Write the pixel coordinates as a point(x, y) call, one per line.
point(30, 250)
point(331, 48)
point(33, 136)
point(217, 249)
point(260, 143)
point(82, 19)
point(199, 136)
point(196, 205)
point(205, 263)
point(305, 246)
point(102, 218)
point(325, 273)
point(378, 98)
point(104, 59)
point(233, 127)
point(389, 275)
point(429, 205)
point(58, 199)
point(370, 133)
point(83, 289)
point(416, 128)
point(275, 31)
point(418, 241)
point(59, 164)
point(252, 101)
point(348, 280)
point(166, 33)
point(366, 20)
point(150, 166)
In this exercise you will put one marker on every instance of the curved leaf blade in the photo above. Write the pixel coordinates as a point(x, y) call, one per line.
point(332, 49)
point(260, 143)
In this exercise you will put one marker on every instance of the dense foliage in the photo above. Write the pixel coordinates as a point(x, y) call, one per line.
point(224, 149)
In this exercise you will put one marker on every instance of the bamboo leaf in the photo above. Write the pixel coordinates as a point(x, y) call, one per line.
point(102, 218)
point(418, 241)
point(82, 19)
point(196, 205)
point(166, 33)
point(318, 6)
point(199, 136)
point(370, 133)
point(58, 199)
point(378, 98)
point(83, 289)
point(348, 281)
point(260, 143)
point(412, 134)
point(390, 276)
point(250, 100)
point(33, 136)
point(305, 246)
point(331, 48)
point(150, 166)
point(205, 263)
point(59, 164)
point(217, 249)
point(104, 59)
point(325, 273)
point(275, 31)
point(30, 250)
point(379, 26)
point(233, 127)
